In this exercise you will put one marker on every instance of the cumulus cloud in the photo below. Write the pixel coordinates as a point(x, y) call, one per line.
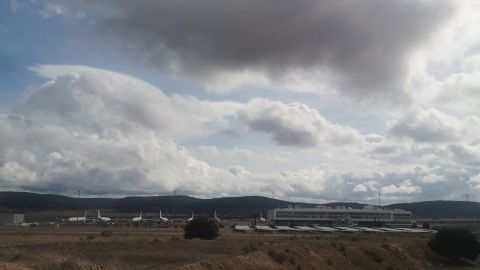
point(433, 178)
point(474, 181)
point(404, 187)
point(101, 132)
point(433, 126)
point(108, 133)
point(16, 174)
point(106, 103)
point(294, 124)
point(366, 186)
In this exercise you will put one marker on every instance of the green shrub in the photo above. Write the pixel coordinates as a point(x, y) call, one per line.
point(250, 248)
point(281, 257)
point(454, 244)
point(272, 253)
point(201, 228)
point(374, 255)
point(106, 233)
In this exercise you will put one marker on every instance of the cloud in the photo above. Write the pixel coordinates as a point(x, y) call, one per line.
point(103, 132)
point(433, 178)
point(16, 174)
point(105, 103)
point(433, 126)
point(464, 155)
point(108, 133)
point(360, 188)
point(294, 124)
point(404, 187)
point(14, 5)
point(359, 48)
point(366, 186)
point(50, 10)
point(474, 181)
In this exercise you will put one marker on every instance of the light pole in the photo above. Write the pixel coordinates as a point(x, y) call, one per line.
point(78, 205)
point(379, 199)
point(174, 202)
point(273, 199)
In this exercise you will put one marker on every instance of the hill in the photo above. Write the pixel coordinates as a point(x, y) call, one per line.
point(441, 209)
point(225, 207)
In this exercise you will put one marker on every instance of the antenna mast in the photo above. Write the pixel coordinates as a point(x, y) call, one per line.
point(273, 198)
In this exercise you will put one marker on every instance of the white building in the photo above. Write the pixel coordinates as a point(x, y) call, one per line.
point(370, 216)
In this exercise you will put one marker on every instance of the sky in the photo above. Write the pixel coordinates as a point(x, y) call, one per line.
point(306, 101)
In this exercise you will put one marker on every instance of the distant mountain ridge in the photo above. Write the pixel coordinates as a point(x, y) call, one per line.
point(227, 206)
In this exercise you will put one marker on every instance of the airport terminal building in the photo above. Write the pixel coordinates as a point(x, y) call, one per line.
point(370, 216)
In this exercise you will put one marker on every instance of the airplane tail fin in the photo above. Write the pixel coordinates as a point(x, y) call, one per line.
point(85, 216)
point(160, 213)
point(99, 213)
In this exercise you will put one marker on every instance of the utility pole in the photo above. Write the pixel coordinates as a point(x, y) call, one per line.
point(466, 195)
point(78, 204)
point(174, 202)
point(273, 198)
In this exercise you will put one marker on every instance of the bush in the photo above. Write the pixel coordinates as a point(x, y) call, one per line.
point(250, 248)
point(281, 257)
point(455, 243)
point(106, 233)
point(201, 228)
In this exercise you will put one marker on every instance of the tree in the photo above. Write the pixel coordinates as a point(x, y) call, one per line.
point(426, 225)
point(454, 244)
point(201, 228)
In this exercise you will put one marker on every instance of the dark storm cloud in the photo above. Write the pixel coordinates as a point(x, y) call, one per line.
point(362, 45)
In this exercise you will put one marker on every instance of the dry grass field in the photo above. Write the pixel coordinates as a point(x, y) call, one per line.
point(97, 247)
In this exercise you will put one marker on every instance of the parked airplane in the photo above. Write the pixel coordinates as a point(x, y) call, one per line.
point(215, 218)
point(103, 219)
point(263, 220)
point(190, 219)
point(78, 219)
point(163, 219)
point(219, 221)
point(137, 219)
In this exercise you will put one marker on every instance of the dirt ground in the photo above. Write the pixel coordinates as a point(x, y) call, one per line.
point(97, 247)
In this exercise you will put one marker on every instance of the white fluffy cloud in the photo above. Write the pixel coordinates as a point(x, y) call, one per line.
point(404, 187)
point(108, 133)
point(105, 132)
point(105, 104)
point(294, 124)
point(433, 126)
